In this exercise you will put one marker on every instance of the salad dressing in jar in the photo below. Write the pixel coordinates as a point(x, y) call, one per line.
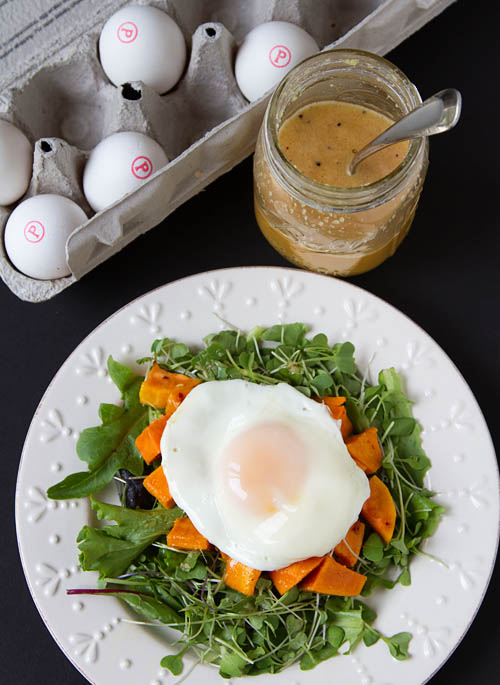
point(306, 204)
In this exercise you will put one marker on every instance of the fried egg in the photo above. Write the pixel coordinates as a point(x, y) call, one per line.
point(262, 472)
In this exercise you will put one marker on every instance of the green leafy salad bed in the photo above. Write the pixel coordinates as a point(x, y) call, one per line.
point(266, 632)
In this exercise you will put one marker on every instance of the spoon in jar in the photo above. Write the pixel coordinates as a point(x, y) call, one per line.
point(437, 114)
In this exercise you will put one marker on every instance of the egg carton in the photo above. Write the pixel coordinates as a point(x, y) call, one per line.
point(53, 88)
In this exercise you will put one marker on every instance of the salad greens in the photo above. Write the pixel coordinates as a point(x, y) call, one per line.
point(263, 633)
point(112, 549)
point(110, 446)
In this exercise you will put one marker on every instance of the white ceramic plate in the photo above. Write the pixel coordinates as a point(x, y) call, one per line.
point(441, 602)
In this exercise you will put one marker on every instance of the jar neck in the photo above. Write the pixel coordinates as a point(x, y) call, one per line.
point(295, 87)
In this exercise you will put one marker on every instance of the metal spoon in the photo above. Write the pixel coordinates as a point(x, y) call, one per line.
point(437, 114)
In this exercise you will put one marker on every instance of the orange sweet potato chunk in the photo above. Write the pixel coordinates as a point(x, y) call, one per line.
point(348, 549)
point(165, 390)
point(240, 577)
point(148, 442)
point(333, 401)
point(286, 578)
point(338, 411)
point(157, 485)
point(332, 578)
point(185, 536)
point(379, 509)
point(366, 450)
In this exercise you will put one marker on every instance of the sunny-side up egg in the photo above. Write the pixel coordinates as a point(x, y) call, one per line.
point(267, 53)
point(16, 157)
point(118, 165)
point(142, 43)
point(36, 234)
point(262, 472)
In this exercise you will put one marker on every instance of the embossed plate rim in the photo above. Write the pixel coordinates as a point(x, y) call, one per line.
point(284, 297)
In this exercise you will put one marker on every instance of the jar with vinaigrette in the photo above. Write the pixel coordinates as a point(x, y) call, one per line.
point(307, 205)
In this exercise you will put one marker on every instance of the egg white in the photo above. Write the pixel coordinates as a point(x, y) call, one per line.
point(331, 493)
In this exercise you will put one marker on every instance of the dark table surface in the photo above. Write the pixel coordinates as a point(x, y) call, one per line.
point(444, 277)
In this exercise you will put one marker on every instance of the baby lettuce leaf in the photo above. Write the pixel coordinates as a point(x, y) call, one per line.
point(112, 549)
point(110, 446)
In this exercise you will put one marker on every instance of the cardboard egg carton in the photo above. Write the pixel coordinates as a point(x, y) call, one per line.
point(53, 88)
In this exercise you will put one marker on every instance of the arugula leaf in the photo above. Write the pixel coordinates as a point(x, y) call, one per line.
point(101, 552)
point(136, 525)
point(110, 446)
point(112, 549)
point(121, 375)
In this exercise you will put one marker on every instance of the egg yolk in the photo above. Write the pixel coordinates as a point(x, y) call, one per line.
point(265, 467)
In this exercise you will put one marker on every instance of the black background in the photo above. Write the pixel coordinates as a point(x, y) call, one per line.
point(444, 277)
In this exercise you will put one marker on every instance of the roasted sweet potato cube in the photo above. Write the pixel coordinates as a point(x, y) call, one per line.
point(348, 549)
point(379, 509)
point(338, 411)
point(156, 484)
point(165, 390)
point(366, 450)
point(240, 577)
point(332, 578)
point(148, 442)
point(285, 578)
point(185, 536)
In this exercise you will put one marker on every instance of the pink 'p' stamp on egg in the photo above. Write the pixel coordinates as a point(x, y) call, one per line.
point(127, 32)
point(34, 231)
point(142, 167)
point(280, 56)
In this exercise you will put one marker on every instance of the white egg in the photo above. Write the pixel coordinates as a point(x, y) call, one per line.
point(118, 165)
point(267, 53)
point(141, 43)
point(262, 472)
point(36, 234)
point(16, 159)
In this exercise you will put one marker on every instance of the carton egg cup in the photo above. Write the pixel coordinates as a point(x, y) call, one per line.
point(65, 105)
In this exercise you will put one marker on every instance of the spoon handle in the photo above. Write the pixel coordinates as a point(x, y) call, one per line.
point(437, 114)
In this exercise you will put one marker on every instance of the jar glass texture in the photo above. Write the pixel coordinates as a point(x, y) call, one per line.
point(338, 231)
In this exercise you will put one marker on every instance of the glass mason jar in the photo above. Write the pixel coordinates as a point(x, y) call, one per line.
point(338, 231)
